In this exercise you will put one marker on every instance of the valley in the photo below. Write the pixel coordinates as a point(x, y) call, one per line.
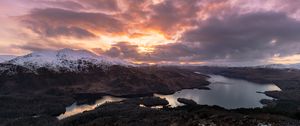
point(42, 91)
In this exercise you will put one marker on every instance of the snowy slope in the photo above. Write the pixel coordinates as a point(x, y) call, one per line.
point(4, 58)
point(65, 59)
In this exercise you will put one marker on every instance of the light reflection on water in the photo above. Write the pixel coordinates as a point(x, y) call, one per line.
point(225, 92)
point(75, 109)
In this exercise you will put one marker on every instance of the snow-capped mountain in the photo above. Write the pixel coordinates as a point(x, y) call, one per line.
point(4, 58)
point(65, 59)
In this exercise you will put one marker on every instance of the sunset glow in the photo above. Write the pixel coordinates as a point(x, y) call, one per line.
point(152, 31)
point(145, 42)
point(286, 59)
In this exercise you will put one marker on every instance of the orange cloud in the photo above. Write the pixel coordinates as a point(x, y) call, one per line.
point(291, 59)
point(185, 31)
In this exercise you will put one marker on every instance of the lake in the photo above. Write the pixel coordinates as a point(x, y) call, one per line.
point(75, 109)
point(225, 92)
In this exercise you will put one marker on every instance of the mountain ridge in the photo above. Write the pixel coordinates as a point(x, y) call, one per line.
point(65, 60)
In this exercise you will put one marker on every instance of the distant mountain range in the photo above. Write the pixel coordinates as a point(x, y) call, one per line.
point(281, 66)
point(81, 61)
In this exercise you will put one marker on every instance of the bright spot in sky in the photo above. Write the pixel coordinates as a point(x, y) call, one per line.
point(285, 59)
point(145, 42)
point(273, 41)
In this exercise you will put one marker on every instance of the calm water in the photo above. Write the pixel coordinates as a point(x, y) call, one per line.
point(226, 92)
point(75, 109)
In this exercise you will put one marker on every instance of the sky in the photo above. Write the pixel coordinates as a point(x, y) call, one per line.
point(157, 31)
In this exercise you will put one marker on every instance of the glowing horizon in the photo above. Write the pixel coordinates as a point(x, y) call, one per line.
point(156, 31)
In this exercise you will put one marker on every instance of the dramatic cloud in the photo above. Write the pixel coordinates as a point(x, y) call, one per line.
point(102, 5)
point(72, 5)
point(46, 30)
point(247, 36)
point(97, 22)
point(171, 16)
point(124, 50)
point(155, 31)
